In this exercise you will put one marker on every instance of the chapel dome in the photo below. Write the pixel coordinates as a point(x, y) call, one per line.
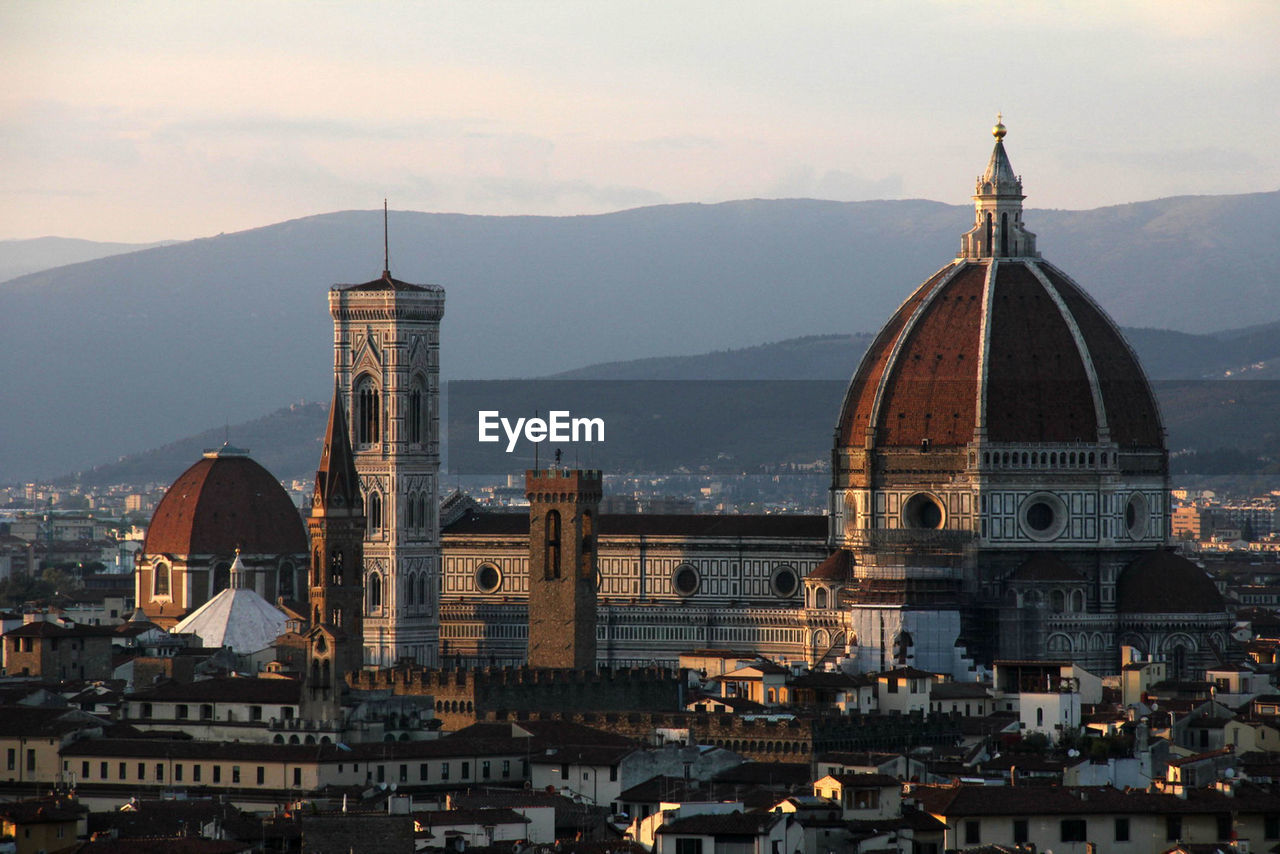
point(999, 344)
point(224, 502)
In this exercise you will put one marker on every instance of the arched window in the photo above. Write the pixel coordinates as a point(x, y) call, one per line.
point(413, 415)
point(409, 590)
point(375, 591)
point(221, 577)
point(160, 584)
point(422, 589)
point(422, 510)
point(1077, 602)
point(1004, 234)
point(552, 551)
point(335, 567)
point(326, 674)
point(368, 427)
point(588, 543)
point(989, 249)
point(410, 511)
point(373, 507)
point(1057, 602)
point(316, 568)
point(820, 598)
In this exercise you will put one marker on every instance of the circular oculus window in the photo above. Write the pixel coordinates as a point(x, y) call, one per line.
point(488, 578)
point(1043, 516)
point(686, 580)
point(784, 582)
point(922, 510)
point(1136, 512)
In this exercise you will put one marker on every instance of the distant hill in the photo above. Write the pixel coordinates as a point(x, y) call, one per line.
point(1252, 353)
point(20, 257)
point(287, 442)
point(122, 353)
point(1215, 425)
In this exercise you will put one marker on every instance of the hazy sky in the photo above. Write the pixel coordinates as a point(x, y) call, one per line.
point(144, 121)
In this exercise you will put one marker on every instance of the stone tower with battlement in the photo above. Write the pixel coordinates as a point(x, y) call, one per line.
point(386, 363)
point(563, 509)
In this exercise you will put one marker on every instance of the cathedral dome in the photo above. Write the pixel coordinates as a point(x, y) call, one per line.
point(999, 346)
point(224, 502)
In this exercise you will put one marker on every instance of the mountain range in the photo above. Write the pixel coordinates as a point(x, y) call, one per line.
point(116, 355)
point(20, 257)
point(1219, 426)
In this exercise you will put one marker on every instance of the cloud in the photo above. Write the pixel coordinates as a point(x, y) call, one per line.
point(526, 193)
point(804, 181)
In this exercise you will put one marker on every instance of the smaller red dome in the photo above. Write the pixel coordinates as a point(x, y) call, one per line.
point(224, 502)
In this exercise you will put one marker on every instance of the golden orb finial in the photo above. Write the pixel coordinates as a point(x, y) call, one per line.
point(999, 130)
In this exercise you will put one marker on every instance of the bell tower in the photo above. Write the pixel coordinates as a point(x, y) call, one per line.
point(563, 509)
point(336, 525)
point(386, 363)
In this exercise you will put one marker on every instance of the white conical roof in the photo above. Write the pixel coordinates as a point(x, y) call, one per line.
point(238, 618)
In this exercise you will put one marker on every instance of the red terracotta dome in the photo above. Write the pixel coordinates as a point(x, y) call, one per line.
point(1022, 354)
point(224, 502)
point(999, 345)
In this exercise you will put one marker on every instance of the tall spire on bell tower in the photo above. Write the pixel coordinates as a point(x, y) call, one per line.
point(386, 244)
point(997, 229)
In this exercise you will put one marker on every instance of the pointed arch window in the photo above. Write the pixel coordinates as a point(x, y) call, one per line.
point(375, 591)
point(411, 511)
point(317, 568)
point(335, 567)
point(368, 426)
point(373, 508)
point(414, 415)
point(422, 589)
point(551, 567)
point(1004, 234)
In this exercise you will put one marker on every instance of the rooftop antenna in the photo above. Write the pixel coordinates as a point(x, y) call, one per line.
point(386, 244)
